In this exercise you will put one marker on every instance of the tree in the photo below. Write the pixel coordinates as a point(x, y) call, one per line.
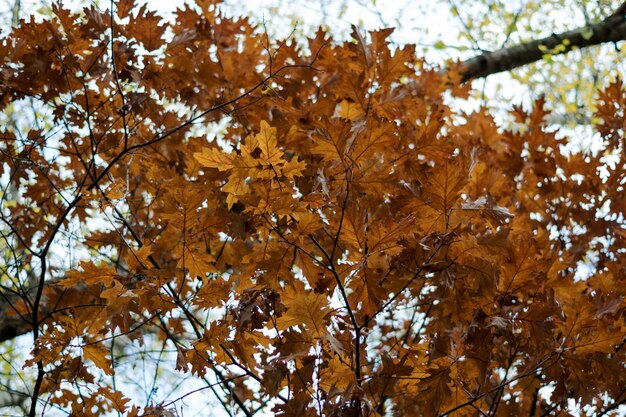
point(306, 230)
point(449, 29)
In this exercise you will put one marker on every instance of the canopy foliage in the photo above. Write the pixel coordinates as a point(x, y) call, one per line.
point(305, 230)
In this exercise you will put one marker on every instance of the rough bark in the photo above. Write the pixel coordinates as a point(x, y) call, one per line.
point(611, 29)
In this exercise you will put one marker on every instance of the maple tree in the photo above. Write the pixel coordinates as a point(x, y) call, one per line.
point(311, 229)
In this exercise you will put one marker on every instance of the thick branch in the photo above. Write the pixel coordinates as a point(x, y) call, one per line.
point(611, 29)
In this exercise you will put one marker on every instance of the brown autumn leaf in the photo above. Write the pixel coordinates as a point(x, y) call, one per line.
point(98, 355)
point(304, 308)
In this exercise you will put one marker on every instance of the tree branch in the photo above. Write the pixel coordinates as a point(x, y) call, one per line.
point(611, 29)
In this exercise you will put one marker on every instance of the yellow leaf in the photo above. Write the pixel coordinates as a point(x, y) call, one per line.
point(293, 168)
point(304, 307)
point(349, 110)
point(215, 158)
point(268, 144)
